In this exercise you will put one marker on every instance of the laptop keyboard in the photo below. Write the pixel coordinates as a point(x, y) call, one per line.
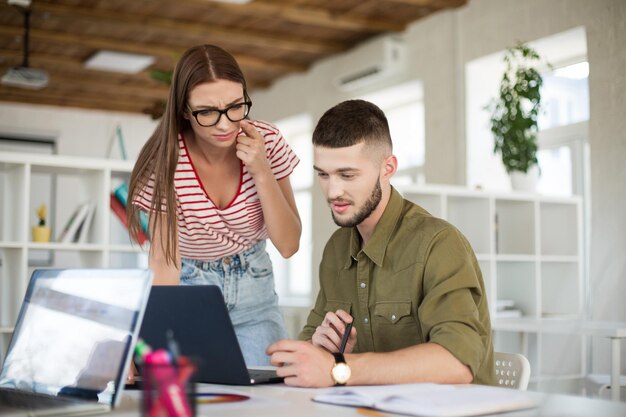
point(32, 401)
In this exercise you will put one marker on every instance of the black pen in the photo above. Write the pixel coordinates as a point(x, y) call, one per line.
point(344, 340)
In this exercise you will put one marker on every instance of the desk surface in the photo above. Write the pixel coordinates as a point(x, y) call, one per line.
point(278, 400)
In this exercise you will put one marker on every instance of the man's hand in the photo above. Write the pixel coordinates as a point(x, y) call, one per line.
point(329, 334)
point(302, 364)
point(251, 149)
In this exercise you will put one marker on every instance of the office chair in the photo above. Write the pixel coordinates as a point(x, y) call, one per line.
point(512, 370)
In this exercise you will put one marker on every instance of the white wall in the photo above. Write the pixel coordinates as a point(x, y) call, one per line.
point(439, 48)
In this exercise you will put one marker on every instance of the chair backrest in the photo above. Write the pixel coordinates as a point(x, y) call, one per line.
point(512, 370)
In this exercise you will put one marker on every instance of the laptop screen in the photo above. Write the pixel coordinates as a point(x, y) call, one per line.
point(74, 332)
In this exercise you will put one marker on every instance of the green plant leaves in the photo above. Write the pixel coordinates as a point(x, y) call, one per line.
point(515, 112)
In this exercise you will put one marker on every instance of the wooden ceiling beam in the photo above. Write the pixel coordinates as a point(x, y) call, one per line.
point(9, 94)
point(433, 4)
point(165, 52)
point(13, 57)
point(75, 84)
point(155, 23)
point(309, 16)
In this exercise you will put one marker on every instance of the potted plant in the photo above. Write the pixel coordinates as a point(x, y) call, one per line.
point(41, 232)
point(514, 116)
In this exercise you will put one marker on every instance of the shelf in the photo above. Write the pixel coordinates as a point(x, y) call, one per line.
point(559, 258)
point(11, 245)
point(85, 247)
point(63, 183)
point(515, 258)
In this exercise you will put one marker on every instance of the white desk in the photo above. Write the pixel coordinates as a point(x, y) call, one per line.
point(615, 331)
point(278, 400)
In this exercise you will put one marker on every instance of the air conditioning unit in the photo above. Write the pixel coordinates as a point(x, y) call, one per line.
point(369, 63)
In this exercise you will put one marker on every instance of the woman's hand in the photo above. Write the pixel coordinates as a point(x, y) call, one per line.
point(251, 150)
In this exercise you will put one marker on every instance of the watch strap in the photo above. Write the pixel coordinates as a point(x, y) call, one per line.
point(339, 358)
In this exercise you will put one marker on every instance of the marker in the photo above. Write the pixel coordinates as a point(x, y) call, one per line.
point(172, 346)
point(344, 340)
point(141, 350)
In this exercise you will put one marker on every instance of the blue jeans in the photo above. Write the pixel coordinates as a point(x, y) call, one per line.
point(247, 282)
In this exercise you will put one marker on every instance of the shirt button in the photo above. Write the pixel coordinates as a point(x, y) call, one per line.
point(366, 320)
point(363, 285)
point(393, 317)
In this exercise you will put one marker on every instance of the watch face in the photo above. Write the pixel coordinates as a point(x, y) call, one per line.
point(341, 373)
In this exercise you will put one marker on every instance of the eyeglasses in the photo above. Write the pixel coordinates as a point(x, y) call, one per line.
point(211, 117)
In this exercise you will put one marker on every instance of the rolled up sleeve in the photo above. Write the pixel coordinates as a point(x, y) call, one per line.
point(449, 313)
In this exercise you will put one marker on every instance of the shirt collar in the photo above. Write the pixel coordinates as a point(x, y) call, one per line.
point(377, 245)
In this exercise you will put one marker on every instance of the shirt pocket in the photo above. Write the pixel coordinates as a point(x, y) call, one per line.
point(393, 313)
point(334, 305)
point(393, 326)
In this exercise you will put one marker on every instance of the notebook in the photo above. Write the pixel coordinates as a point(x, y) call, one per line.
point(432, 400)
point(199, 321)
point(70, 349)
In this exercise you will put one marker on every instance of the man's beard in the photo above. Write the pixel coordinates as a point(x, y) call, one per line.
point(368, 207)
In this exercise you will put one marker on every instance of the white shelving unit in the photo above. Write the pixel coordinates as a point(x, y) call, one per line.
point(76, 180)
point(530, 250)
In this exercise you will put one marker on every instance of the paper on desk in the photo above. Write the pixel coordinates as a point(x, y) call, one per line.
point(430, 399)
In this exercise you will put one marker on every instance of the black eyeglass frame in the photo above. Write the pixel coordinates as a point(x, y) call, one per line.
point(223, 112)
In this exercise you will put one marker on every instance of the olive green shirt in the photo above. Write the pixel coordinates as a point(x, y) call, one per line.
point(417, 280)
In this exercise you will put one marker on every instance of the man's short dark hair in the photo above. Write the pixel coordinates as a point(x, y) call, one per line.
point(352, 122)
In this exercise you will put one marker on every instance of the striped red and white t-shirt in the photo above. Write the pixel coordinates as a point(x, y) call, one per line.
point(206, 232)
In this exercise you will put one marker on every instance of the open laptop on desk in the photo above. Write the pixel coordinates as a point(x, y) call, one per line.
point(199, 321)
point(70, 350)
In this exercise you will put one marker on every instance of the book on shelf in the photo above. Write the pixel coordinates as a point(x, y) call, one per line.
point(505, 309)
point(508, 314)
point(74, 223)
point(121, 192)
point(436, 400)
point(120, 212)
point(83, 230)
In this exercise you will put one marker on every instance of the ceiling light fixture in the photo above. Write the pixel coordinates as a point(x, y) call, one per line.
point(119, 62)
point(25, 76)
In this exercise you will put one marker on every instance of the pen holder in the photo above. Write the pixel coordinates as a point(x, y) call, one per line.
point(168, 390)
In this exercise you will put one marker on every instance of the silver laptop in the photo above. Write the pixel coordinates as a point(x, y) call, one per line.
point(71, 347)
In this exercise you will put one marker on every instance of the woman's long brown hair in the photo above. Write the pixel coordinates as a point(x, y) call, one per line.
point(159, 156)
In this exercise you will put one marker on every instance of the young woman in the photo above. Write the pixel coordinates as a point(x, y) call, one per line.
point(216, 186)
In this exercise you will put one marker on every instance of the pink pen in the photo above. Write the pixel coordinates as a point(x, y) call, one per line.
point(171, 394)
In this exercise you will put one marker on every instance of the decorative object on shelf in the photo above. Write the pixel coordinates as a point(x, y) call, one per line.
point(514, 116)
point(119, 209)
point(41, 232)
point(118, 138)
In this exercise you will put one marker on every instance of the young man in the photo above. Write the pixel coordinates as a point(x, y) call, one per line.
point(409, 282)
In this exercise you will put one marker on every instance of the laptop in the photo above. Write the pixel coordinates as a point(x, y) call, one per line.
point(71, 346)
point(198, 319)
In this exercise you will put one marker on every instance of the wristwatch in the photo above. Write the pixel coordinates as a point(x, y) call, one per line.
point(341, 371)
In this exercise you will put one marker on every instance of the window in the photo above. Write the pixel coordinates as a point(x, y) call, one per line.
point(404, 107)
point(562, 124)
point(293, 276)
